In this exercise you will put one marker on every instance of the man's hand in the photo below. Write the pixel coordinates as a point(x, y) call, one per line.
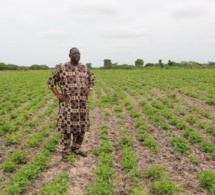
point(87, 91)
point(62, 98)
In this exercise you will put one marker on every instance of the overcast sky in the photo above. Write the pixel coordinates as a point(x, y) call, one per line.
point(43, 31)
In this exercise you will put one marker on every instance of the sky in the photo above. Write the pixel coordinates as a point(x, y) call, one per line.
point(43, 31)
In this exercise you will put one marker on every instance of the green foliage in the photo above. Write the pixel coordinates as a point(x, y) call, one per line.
point(103, 184)
point(181, 145)
point(105, 147)
point(193, 135)
point(210, 102)
point(164, 187)
point(134, 113)
point(194, 160)
point(137, 192)
point(57, 186)
point(207, 179)
point(36, 138)
point(89, 65)
point(125, 141)
point(157, 105)
point(208, 147)
point(149, 141)
point(129, 159)
point(21, 179)
point(9, 166)
point(139, 63)
point(154, 172)
point(106, 101)
point(107, 63)
point(191, 118)
point(106, 116)
point(177, 122)
point(118, 109)
point(38, 67)
point(71, 158)
point(141, 125)
point(11, 139)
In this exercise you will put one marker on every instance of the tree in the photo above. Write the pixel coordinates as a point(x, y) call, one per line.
point(149, 65)
point(139, 63)
point(38, 67)
point(107, 63)
point(89, 65)
point(3, 66)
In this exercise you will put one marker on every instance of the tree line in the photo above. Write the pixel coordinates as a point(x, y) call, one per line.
point(139, 63)
point(4, 66)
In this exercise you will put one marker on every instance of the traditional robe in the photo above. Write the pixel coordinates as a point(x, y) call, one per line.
point(73, 80)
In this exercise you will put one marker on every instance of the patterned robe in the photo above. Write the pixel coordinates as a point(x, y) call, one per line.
point(73, 80)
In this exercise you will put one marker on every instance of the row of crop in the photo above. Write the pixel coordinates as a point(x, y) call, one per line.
point(27, 145)
point(190, 118)
point(143, 135)
point(164, 116)
point(129, 159)
point(184, 82)
point(34, 139)
point(171, 80)
point(104, 170)
point(13, 121)
point(20, 180)
point(162, 185)
point(190, 132)
point(20, 88)
point(179, 143)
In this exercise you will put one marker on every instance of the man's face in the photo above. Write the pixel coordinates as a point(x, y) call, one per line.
point(75, 55)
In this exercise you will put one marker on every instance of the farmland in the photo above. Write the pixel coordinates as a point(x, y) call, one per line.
point(152, 132)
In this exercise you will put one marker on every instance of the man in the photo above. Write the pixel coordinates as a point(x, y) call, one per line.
point(75, 81)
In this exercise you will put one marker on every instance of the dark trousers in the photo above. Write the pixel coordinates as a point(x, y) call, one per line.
point(76, 142)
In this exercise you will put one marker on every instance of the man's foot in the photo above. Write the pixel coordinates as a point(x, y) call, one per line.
point(79, 152)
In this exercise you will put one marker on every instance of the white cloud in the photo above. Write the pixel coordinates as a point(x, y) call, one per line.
point(123, 30)
point(190, 10)
point(54, 34)
point(94, 8)
point(124, 33)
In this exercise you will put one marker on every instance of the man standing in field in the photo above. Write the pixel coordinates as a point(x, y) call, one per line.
point(75, 81)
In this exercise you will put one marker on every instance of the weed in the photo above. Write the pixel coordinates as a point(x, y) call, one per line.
point(118, 109)
point(106, 115)
point(9, 166)
point(191, 118)
point(194, 160)
point(137, 192)
point(134, 113)
point(149, 141)
point(154, 172)
point(125, 141)
point(164, 187)
point(193, 135)
point(208, 147)
point(71, 158)
point(11, 139)
point(129, 159)
point(181, 145)
point(58, 185)
point(207, 179)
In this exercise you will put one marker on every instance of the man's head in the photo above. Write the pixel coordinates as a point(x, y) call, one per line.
point(74, 55)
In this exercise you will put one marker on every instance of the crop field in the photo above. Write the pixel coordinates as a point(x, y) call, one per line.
point(152, 133)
